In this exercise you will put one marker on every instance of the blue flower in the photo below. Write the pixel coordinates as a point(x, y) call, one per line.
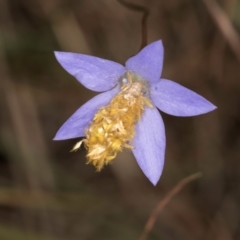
point(125, 114)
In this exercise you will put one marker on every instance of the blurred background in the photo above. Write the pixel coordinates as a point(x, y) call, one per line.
point(48, 193)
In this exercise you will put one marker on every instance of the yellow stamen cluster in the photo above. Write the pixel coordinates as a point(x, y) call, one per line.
point(113, 126)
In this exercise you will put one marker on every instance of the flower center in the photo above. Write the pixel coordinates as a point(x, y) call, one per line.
point(113, 126)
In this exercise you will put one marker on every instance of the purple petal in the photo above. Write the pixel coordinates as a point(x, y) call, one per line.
point(93, 73)
point(174, 99)
point(148, 62)
point(150, 143)
point(75, 126)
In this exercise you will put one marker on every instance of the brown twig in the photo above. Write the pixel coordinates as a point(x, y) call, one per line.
point(145, 12)
point(153, 217)
point(224, 25)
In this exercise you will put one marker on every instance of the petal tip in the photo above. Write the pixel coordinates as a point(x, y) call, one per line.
point(57, 137)
point(213, 107)
point(154, 180)
point(159, 42)
point(57, 54)
point(208, 108)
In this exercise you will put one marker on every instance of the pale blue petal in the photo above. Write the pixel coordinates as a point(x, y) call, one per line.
point(94, 73)
point(174, 99)
point(149, 144)
point(148, 62)
point(75, 126)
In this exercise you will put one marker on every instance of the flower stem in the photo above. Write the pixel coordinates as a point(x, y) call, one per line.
point(153, 217)
point(145, 12)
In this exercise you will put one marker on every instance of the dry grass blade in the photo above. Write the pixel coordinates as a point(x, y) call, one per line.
point(153, 217)
point(225, 26)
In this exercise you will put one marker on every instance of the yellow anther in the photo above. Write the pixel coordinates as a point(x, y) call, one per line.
point(77, 146)
point(113, 126)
